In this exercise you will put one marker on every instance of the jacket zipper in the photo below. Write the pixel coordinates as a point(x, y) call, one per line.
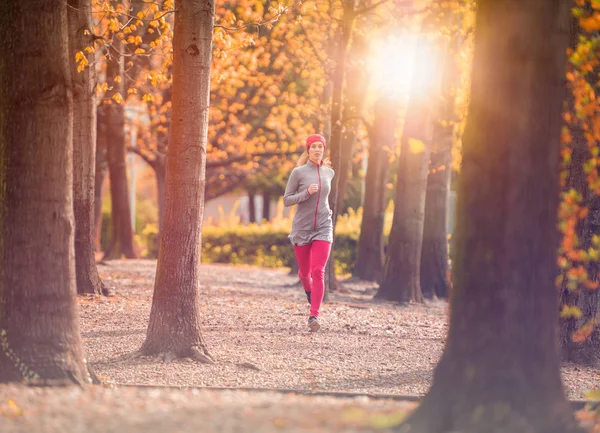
point(318, 196)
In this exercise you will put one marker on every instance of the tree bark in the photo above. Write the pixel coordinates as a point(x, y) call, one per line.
point(39, 331)
point(401, 273)
point(435, 272)
point(251, 207)
point(370, 256)
point(121, 243)
point(266, 206)
point(84, 149)
point(100, 174)
point(353, 107)
point(335, 142)
point(174, 327)
point(500, 370)
point(588, 301)
point(588, 351)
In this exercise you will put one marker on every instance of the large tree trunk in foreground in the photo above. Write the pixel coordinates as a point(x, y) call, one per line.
point(174, 328)
point(370, 259)
point(401, 273)
point(584, 351)
point(84, 149)
point(574, 348)
point(121, 242)
point(500, 368)
point(39, 332)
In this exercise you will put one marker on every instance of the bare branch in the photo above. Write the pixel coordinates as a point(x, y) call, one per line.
point(139, 152)
point(260, 24)
point(316, 52)
point(368, 126)
point(239, 158)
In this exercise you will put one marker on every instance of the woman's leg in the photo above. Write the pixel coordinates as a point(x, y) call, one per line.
point(319, 255)
point(303, 257)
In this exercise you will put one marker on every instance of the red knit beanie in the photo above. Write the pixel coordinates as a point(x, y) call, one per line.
point(315, 137)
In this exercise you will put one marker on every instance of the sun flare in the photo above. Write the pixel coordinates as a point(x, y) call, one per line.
point(401, 64)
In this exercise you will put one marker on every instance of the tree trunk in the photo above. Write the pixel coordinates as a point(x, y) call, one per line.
point(401, 273)
point(266, 206)
point(251, 207)
point(353, 108)
point(435, 272)
point(588, 301)
point(100, 175)
point(39, 331)
point(588, 351)
point(335, 142)
point(174, 327)
point(500, 370)
point(370, 256)
point(84, 149)
point(121, 243)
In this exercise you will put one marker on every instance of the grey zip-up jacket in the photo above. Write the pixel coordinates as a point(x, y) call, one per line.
point(313, 216)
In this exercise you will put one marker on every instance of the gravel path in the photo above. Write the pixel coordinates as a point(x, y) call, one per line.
point(254, 317)
point(254, 324)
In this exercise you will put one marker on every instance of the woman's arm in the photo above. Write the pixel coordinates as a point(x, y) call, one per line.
point(291, 195)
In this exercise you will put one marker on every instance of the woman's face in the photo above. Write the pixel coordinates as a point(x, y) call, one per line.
point(316, 151)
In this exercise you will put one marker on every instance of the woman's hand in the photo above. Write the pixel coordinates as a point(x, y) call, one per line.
point(313, 188)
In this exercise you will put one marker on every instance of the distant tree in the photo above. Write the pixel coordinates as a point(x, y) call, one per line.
point(435, 272)
point(174, 326)
point(500, 370)
point(84, 146)
point(401, 273)
point(371, 255)
point(121, 238)
point(39, 332)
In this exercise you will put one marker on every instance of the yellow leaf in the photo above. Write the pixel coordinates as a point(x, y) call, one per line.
point(148, 97)
point(118, 98)
point(118, 79)
point(354, 415)
point(140, 51)
point(279, 422)
point(416, 146)
point(386, 421)
point(12, 410)
point(132, 90)
point(570, 311)
point(593, 395)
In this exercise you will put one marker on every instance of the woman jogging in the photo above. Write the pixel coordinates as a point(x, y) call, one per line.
point(312, 229)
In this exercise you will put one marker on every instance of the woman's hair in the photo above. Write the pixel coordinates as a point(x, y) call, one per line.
point(304, 159)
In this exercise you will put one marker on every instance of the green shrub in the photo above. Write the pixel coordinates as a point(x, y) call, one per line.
point(227, 240)
point(257, 245)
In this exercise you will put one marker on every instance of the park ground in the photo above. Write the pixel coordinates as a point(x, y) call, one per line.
point(361, 372)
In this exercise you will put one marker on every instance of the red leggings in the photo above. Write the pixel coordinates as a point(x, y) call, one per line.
point(311, 262)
